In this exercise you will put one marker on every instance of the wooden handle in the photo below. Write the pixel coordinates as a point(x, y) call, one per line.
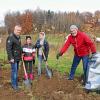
point(44, 58)
point(24, 68)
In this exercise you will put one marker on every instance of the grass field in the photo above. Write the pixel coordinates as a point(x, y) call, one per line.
point(55, 41)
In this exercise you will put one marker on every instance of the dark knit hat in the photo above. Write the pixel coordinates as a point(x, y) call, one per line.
point(28, 37)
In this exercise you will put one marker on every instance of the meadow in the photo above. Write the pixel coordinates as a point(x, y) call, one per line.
point(56, 41)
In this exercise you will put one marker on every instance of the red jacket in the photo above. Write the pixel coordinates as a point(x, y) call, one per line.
point(28, 52)
point(81, 42)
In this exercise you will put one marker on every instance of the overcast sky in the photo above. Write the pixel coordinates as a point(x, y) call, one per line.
point(54, 5)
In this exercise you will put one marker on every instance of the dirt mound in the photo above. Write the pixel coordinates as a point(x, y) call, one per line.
point(59, 88)
point(6, 92)
point(56, 88)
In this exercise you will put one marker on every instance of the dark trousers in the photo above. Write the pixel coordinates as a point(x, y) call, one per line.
point(76, 61)
point(28, 66)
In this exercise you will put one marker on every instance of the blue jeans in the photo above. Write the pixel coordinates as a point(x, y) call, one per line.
point(14, 74)
point(40, 58)
point(75, 63)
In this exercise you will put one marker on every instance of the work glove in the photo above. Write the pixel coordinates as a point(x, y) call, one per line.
point(12, 61)
point(45, 59)
point(58, 55)
point(93, 54)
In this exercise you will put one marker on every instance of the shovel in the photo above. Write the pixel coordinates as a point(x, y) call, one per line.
point(26, 82)
point(48, 71)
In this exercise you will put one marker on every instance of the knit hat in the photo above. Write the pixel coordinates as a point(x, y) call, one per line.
point(28, 37)
point(73, 27)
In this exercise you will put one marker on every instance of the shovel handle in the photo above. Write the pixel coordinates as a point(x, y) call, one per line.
point(24, 68)
point(44, 57)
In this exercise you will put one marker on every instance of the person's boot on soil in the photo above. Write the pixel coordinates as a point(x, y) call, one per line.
point(69, 78)
point(16, 88)
point(31, 77)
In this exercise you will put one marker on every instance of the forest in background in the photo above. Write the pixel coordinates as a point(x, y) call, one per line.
point(50, 21)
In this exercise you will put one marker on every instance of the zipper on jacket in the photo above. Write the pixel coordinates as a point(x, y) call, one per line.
point(76, 46)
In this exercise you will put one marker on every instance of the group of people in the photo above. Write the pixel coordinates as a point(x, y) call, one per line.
point(26, 53)
point(83, 47)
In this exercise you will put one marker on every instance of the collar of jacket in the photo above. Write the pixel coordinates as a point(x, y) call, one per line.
point(40, 40)
point(16, 36)
point(28, 44)
point(78, 32)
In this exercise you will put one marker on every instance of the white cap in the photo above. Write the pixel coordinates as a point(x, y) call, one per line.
point(73, 27)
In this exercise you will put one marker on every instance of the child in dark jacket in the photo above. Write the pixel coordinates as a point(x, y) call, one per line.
point(42, 47)
point(28, 57)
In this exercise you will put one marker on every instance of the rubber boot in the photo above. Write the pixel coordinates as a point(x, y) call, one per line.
point(31, 76)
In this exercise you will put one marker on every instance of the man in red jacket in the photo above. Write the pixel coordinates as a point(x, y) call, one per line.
point(82, 46)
